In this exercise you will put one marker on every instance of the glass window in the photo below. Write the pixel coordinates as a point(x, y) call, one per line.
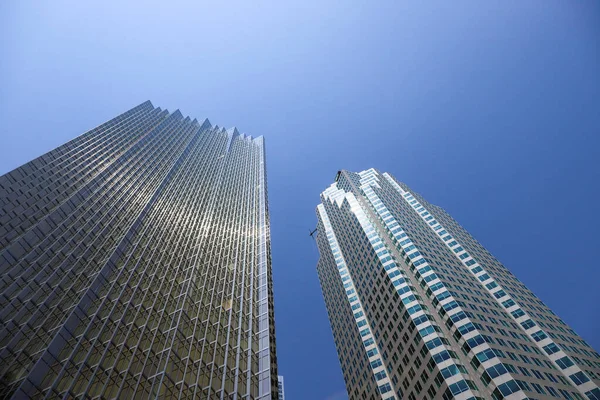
point(564, 362)
point(551, 348)
point(508, 303)
point(441, 356)
point(539, 335)
point(485, 355)
point(459, 387)
point(509, 388)
point(449, 371)
point(579, 378)
point(528, 324)
point(496, 370)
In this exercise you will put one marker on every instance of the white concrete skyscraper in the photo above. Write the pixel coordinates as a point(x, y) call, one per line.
point(420, 310)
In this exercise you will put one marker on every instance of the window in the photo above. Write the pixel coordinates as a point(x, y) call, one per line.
point(491, 285)
point(385, 388)
point(414, 309)
point(564, 362)
point(551, 348)
point(508, 388)
point(524, 371)
point(510, 368)
point(539, 335)
point(508, 303)
point(475, 341)
point(458, 316)
point(485, 355)
point(468, 327)
point(593, 394)
point(426, 331)
point(441, 356)
point(496, 370)
point(402, 290)
point(538, 374)
point(443, 295)
point(528, 324)
point(449, 371)
point(420, 319)
point(459, 387)
point(551, 377)
point(579, 378)
point(432, 344)
point(552, 391)
point(538, 388)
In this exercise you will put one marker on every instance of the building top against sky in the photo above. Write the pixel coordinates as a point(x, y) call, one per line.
point(419, 308)
point(135, 261)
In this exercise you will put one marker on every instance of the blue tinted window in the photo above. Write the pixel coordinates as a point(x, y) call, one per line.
point(449, 371)
point(539, 335)
point(508, 303)
point(579, 378)
point(441, 356)
point(468, 327)
point(385, 388)
point(564, 362)
point(508, 388)
point(459, 387)
point(433, 343)
point(551, 348)
point(496, 370)
point(528, 324)
point(485, 355)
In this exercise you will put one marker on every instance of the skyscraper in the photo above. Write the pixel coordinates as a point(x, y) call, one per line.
point(135, 263)
point(420, 310)
point(281, 387)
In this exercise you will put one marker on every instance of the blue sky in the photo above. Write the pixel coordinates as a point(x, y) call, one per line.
point(488, 109)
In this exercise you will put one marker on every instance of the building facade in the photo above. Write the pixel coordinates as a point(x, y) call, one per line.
point(420, 310)
point(281, 387)
point(135, 263)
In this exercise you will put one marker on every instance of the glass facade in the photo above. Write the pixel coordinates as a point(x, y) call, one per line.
point(135, 263)
point(420, 310)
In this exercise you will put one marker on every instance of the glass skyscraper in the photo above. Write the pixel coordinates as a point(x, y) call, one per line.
point(420, 310)
point(135, 263)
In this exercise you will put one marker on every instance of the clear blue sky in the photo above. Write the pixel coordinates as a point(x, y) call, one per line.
point(488, 109)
